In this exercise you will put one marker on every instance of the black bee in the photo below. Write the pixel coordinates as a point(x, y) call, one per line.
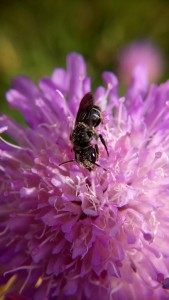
point(88, 117)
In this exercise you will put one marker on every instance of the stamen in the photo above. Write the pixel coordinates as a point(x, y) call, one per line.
point(45, 112)
point(159, 115)
point(119, 119)
point(4, 231)
point(5, 288)
point(10, 144)
point(25, 282)
point(42, 234)
point(39, 282)
point(21, 268)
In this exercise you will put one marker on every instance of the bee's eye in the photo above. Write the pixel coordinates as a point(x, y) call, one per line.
point(90, 133)
point(93, 156)
point(96, 118)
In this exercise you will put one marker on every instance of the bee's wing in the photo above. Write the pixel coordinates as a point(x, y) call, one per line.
point(85, 107)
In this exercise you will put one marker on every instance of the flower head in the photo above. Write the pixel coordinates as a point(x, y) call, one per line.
point(67, 233)
point(141, 53)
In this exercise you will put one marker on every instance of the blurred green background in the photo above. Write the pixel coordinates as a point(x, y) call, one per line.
point(36, 35)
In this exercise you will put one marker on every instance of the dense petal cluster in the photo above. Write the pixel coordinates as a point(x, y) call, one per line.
point(67, 233)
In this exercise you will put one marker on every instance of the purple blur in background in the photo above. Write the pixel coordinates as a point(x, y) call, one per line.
point(143, 53)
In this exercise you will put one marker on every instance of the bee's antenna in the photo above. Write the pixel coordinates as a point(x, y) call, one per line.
point(68, 161)
point(99, 166)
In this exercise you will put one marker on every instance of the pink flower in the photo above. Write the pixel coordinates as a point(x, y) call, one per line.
point(67, 233)
point(141, 54)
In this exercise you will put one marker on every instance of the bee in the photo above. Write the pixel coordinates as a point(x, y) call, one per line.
point(87, 119)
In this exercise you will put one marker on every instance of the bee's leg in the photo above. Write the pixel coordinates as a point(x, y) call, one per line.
point(97, 152)
point(97, 149)
point(104, 143)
